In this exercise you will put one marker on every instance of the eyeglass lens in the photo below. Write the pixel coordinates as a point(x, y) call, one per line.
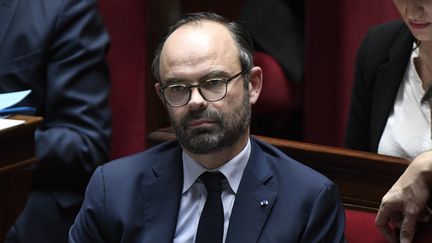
point(210, 90)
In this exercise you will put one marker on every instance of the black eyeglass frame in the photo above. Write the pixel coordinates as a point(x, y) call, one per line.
point(190, 86)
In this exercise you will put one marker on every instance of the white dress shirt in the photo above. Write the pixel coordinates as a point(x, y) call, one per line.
point(194, 193)
point(408, 130)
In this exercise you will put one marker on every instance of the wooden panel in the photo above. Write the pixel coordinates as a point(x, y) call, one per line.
point(16, 157)
point(363, 178)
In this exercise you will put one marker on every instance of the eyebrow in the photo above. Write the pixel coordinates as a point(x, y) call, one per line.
point(207, 76)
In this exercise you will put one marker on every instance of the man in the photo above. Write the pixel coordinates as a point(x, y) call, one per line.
point(255, 194)
point(57, 49)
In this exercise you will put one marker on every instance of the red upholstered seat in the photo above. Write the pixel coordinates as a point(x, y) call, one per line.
point(424, 233)
point(360, 228)
point(278, 110)
point(278, 94)
point(127, 60)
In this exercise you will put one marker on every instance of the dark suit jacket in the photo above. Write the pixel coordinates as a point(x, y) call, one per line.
point(57, 49)
point(381, 63)
point(137, 198)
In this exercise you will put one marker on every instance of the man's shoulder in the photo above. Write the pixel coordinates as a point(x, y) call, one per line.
point(141, 161)
point(293, 179)
point(286, 167)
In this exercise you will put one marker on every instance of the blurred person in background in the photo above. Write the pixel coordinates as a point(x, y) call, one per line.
point(57, 50)
point(391, 112)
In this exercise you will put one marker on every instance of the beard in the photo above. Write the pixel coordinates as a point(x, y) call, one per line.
point(229, 127)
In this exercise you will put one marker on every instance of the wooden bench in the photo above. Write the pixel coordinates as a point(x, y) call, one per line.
point(16, 157)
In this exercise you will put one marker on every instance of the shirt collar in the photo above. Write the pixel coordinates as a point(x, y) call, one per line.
point(232, 170)
point(415, 80)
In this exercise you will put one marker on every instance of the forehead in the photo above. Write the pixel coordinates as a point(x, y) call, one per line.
point(198, 46)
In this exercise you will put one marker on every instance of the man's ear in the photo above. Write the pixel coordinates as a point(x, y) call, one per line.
point(159, 93)
point(255, 84)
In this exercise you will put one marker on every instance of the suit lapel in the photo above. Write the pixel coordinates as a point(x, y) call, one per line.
point(389, 78)
point(7, 11)
point(161, 198)
point(254, 200)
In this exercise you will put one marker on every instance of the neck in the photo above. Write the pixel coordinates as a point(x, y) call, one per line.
point(424, 66)
point(219, 158)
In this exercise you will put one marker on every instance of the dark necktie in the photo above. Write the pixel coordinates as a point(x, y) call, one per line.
point(211, 223)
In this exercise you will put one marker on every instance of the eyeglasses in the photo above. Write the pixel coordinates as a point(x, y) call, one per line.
point(211, 90)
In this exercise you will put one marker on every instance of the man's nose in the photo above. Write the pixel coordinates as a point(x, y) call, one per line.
point(197, 100)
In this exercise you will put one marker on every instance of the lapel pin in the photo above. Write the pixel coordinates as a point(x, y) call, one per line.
point(264, 203)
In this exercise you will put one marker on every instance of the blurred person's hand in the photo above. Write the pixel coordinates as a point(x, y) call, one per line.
point(405, 203)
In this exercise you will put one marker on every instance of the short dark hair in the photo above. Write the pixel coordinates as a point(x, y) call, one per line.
point(241, 37)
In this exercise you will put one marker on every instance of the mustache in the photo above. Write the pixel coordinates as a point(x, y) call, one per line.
point(206, 114)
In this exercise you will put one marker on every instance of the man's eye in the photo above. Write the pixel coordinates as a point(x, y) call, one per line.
point(176, 88)
point(212, 83)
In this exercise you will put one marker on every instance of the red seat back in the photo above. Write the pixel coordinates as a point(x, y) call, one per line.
point(360, 228)
point(129, 73)
point(278, 95)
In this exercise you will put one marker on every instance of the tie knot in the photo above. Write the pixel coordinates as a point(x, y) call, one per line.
point(212, 181)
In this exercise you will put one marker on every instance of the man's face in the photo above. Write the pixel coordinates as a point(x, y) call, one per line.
point(193, 54)
point(210, 130)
